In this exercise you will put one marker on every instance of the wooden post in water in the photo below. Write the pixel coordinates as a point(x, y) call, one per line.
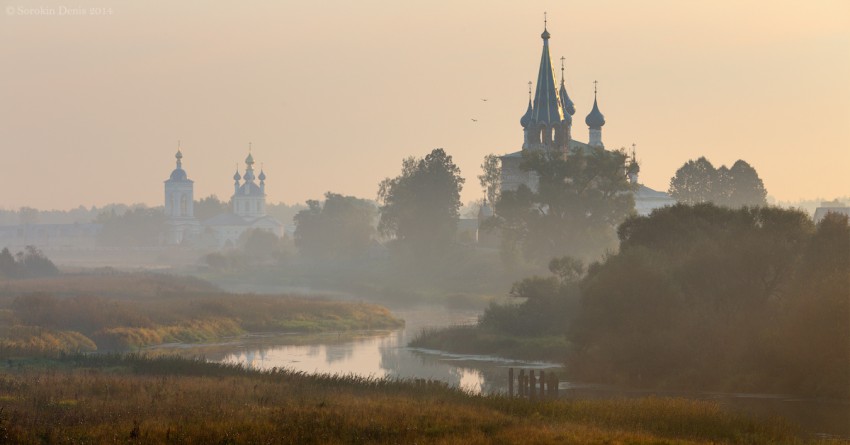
point(521, 383)
point(542, 385)
point(553, 385)
point(532, 385)
point(510, 383)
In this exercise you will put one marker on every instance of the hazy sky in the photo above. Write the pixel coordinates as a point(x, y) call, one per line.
point(335, 93)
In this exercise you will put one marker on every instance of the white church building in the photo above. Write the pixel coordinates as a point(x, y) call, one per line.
point(248, 209)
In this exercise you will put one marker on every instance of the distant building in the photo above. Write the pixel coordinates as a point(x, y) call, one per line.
point(831, 207)
point(180, 222)
point(248, 210)
point(547, 126)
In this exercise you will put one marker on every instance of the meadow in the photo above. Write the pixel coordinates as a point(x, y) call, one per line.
point(126, 311)
point(136, 399)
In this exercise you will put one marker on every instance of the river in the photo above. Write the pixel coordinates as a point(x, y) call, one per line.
point(385, 354)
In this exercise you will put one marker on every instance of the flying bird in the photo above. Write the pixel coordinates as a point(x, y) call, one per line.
point(474, 120)
point(485, 100)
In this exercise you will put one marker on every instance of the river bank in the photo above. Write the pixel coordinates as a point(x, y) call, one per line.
point(170, 399)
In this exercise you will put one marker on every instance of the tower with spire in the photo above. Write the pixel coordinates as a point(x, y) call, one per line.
point(181, 224)
point(595, 120)
point(547, 121)
point(249, 198)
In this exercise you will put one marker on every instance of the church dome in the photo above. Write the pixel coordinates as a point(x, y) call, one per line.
point(262, 176)
point(595, 120)
point(526, 118)
point(178, 175)
point(237, 176)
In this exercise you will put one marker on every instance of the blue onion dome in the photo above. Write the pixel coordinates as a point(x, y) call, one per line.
point(179, 155)
point(595, 120)
point(526, 118)
point(249, 160)
point(545, 35)
point(262, 176)
point(237, 176)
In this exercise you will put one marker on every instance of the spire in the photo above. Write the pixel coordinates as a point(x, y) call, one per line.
point(547, 105)
point(249, 165)
point(633, 168)
point(566, 103)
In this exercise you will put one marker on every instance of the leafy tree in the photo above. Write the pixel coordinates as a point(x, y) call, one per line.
point(209, 207)
point(694, 182)
point(339, 228)
point(420, 207)
point(718, 298)
point(141, 226)
point(745, 187)
point(698, 182)
point(491, 177)
point(8, 266)
point(578, 204)
point(30, 263)
point(28, 215)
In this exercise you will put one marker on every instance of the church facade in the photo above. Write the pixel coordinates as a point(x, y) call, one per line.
point(547, 126)
point(248, 209)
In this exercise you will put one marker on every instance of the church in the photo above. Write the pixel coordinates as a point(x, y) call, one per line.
point(547, 126)
point(248, 209)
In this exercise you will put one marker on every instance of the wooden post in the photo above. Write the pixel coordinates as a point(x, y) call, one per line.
point(522, 382)
point(532, 389)
point(510, 383)
point(542, 385)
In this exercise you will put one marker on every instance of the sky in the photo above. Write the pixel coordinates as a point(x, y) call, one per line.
point(334, 94)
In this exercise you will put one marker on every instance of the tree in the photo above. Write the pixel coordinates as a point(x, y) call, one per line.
point(28, 215)
point(210, 206)
point(30, 263)
point(140, 226)
point(694, 182)
point(8, 266)
point(491, 177)
point(579, 202)
point(712, 297)
point(420, 208)
point(745, 186)
point(339, 228)
point(698, 181)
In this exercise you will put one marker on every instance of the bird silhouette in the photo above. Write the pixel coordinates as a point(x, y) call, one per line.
point(485, 100)
point(474, 120)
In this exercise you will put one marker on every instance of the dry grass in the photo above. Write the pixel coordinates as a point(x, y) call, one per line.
point(121, 311)
point(108, 399)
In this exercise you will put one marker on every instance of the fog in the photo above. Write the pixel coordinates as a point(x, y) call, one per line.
point(353, 189)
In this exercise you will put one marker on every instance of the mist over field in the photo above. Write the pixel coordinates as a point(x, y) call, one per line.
point(363, 223)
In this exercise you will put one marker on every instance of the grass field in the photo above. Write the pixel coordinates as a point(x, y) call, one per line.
point(134, 399)
point(125, 311)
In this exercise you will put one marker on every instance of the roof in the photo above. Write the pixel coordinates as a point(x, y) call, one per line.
point(547, 104)
point(644, 192)
point(574, 145)
point(250, 189)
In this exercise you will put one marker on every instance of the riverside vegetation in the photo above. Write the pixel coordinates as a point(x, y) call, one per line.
point(121, 311)
point(698, 297)
point(137, 399)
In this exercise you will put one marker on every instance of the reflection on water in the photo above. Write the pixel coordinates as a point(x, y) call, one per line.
point(369, 354)
point(384, 354)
